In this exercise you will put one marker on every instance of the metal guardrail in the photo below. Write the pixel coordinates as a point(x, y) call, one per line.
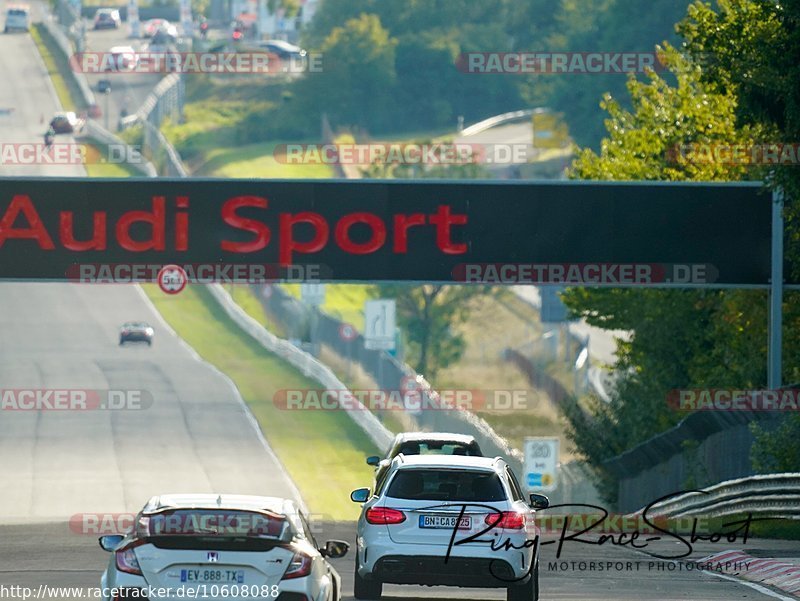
point(134, 158)
point(769, 494)
point(64, 44)
point(305, 362)
point(157, 143)
point(165, 100)
point(93, 130)
point(499, 120)
point(166, 90)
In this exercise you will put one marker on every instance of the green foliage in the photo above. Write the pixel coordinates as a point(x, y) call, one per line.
point(777, 449)
point(591, 26)
point(430, 316)
point(454, 170)
point(694, 338)
point(421, 88)
point(752, 49)
point(357, 78)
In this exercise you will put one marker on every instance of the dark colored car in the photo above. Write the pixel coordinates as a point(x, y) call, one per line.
point(65, 123)
point(103, 86)
point(136, 331)
point(107, 18)
point(424, 443)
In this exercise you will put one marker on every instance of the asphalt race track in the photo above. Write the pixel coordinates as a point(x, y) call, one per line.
point(195, 436)
point(31, 555)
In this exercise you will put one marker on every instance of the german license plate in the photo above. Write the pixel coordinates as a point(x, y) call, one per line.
point(445, 521)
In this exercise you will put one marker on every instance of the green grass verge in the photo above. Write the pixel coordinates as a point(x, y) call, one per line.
point(56, 64)
point(95, 167)
point(258, 160)
point(335, 465)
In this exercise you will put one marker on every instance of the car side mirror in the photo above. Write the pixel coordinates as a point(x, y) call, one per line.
point(335, 549)
point(110, 541)
point(373, 460)
point(360, 495)
point(539, 501)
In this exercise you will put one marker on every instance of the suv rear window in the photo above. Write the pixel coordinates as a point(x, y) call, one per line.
point(17, 12)
point(437, 448)
point(447, 485)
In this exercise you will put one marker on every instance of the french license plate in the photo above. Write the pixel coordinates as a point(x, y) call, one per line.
point(444, 521)
point(212, 575)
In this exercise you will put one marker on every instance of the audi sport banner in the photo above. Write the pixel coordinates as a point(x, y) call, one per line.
point(567, 233)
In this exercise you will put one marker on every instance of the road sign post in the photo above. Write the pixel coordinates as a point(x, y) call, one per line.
point(541, 462)
point(775, 355)
point(348, 333)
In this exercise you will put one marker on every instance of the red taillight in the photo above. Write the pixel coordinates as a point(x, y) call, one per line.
point(299, 566)
point(509, 520)
point(126, 559)
point(385, 515)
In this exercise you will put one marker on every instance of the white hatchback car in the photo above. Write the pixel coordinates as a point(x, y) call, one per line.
point(220, 546)
point(448, 520)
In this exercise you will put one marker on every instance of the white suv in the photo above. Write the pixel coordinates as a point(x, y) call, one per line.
point(448, 520)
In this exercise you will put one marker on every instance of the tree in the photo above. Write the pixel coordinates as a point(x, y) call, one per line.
point(777, 450)
point(357, 79)
point(592, 26)
point(430, 316)
point(680, 338)
point(750, 48)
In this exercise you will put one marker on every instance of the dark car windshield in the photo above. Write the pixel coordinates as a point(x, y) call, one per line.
point(446, 485)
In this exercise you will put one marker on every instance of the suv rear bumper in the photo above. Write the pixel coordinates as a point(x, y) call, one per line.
point(458, 571)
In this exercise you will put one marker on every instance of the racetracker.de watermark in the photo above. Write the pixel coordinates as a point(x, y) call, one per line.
point(192, 63)
point(195, 273)
point(214, 522)
point(444, 153)
point(71, 399)
point(66, 153)
point(585, 273)
point(730, 399)
point(742, 154)
point(405, 399)
point(568, 63)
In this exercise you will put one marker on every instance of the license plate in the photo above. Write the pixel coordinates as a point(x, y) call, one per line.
point(212, 575)
point(444, 521)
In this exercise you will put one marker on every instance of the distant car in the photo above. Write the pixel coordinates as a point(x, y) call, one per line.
point(162, 41)
point(123, 58)
point(107, 18)
point(407, 527)
point(17, 19)
point(283, 50)
point(66, 123)
point(104, 86)
point(222, 547)
point(150, 27)
point(136, 331)
point(424, 443)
